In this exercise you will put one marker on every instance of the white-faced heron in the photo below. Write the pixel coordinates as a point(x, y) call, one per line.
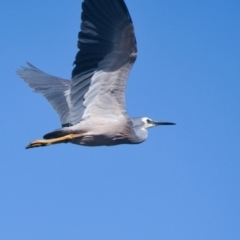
point(91, 106)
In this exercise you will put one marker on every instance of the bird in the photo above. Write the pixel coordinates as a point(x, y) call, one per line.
point(91, 105)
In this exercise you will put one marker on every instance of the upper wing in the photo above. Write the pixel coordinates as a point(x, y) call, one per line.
point(55, 90)
point(107, 52)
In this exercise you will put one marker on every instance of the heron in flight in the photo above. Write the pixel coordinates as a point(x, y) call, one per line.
point(91, 106)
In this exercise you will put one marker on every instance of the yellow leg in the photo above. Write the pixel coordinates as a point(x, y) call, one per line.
point(42, 142)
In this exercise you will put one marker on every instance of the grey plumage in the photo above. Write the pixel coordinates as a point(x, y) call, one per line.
point(91, 106)
point(55, 90)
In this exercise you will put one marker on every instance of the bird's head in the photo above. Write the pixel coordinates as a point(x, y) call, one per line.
point(146, 122)
point(140, 126)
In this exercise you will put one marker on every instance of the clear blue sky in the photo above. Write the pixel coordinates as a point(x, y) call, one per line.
point(182, 183)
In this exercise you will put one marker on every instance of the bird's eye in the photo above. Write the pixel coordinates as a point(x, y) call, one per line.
point(148, 121)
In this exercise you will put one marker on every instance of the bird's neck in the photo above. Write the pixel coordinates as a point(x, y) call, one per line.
point(140, 134)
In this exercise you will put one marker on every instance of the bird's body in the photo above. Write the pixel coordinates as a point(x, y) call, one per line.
point(99, 131)
point(91, 106)
point(106, 132)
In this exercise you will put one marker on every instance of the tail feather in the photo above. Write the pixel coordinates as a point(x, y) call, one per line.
point(56, 134)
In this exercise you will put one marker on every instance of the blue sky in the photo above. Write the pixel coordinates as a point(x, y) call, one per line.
point(182, 183)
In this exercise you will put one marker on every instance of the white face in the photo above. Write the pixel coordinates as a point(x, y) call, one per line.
point(148, 122)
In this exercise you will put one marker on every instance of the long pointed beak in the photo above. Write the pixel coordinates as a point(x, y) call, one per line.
point(164, 123)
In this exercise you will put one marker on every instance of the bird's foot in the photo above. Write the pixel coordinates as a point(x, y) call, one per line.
point(38, 143)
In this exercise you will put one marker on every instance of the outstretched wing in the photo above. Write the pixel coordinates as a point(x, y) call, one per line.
point(107, 52)
point(55, 90)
